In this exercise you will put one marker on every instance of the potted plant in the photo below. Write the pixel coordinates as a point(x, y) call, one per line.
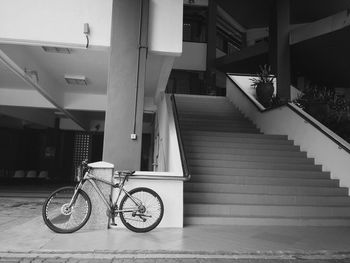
point(316, 101)
point(263, 84)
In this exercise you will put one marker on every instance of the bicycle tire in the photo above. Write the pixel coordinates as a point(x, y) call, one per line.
point(53, 211)
point(154, 209)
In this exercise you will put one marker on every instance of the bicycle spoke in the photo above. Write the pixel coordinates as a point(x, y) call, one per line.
point(61, 217)
point(144, 217)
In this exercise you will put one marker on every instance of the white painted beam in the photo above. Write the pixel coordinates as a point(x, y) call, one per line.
point(165, 25)
point(23, 98)
point(47, 87)
point(320, 27)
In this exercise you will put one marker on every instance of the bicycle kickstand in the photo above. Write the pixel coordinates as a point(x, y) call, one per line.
point(113, 221)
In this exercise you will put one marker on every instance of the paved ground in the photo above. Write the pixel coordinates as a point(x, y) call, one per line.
point(161, 260)
point(17, 211)
point(24, 238)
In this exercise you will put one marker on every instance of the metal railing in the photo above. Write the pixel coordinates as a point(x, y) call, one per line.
point(185, 169)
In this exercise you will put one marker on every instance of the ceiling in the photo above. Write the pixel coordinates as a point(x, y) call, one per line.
point(324, 59)
point(90, 63)
point(53, 66)
point(8, 79)
point(255, 13)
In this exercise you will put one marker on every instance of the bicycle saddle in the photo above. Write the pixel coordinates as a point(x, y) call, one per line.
point(126, 172)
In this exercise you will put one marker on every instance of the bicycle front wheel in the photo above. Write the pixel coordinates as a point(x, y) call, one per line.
point(62, 218)
point(141, 210)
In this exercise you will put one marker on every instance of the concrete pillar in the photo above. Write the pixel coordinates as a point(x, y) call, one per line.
point(125, 90)
point(211, 46)
point(98, 218)
point(279, 48)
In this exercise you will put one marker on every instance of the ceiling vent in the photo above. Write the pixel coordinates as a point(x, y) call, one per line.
point(60, 50)
point(75, 80)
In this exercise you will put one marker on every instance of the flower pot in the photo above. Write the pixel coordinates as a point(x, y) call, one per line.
point(264, 93)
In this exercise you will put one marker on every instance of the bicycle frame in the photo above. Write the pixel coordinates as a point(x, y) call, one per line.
point(109, 204)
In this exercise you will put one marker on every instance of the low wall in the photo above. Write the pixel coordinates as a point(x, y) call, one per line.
point(285, 121)
point(171, 193)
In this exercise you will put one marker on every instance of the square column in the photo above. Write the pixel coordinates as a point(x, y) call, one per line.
point(279, 48)
point(211, 45)
point(125, 90)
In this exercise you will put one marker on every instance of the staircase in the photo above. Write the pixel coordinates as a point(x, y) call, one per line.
point(243, 177)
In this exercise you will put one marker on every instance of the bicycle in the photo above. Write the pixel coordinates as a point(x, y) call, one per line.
point(68, 209)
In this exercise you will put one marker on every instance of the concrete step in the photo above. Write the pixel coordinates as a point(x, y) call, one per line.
point(255, 165)
point(188, 97)
point(240, 145)
point(232, 123)
point(239, 129)
point(210, 114)
point(217, 121)
point(243, 151)
point(242, 139)
point(203, 104)
point(221, 125)
point(264, 199)
point(265, 189)
point(266, 211)
point(209, 111)
point(267, 221)
point(234, 135)
point(199, 102)
point(257, 172)
point(229, 117)
point(259, 180)
point(249, 158)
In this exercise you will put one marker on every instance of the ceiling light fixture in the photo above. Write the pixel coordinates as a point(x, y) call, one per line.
point(76, 80)
point(60, 50)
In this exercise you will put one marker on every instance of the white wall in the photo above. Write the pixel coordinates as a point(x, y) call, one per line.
point(165, 27)
point(55, 22)
point(169, 164)
point(81, 101)
point(163, 135)
point(171, 193)
point(285, 121)
point(193, 57)
point(169, 158)
point(174, 157)
point(149, 105)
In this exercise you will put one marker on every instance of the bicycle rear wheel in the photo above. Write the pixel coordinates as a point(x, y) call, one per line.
point(145, 215)
point(61, 218)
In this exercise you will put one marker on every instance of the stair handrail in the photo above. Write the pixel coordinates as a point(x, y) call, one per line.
point(307, 118)
point(186, 172)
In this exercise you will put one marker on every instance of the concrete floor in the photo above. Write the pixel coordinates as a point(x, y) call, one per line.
point(22, 230)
